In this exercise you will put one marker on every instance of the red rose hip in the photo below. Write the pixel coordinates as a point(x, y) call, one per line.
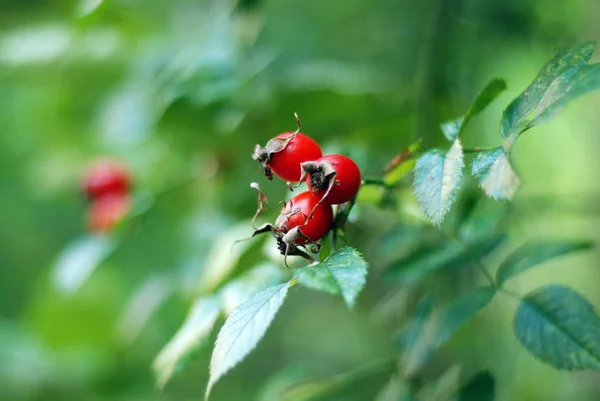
point(296, 213)
point(283, 154)
point(334, 179)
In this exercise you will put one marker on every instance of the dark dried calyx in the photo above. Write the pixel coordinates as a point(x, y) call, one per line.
point(318, 180)
point(263, 154)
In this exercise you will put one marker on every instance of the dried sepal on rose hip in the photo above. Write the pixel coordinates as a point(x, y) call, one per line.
point(295, 230)
point(333, 179)
point(283, 154)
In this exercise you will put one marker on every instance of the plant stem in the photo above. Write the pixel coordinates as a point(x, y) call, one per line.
point(375, 181)
point(476, 261)
point(476, 149)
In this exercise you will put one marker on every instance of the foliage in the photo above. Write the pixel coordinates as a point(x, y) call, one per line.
point(425, 264)
point(560, 327)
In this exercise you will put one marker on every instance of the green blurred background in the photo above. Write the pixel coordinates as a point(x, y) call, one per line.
point(181, 90)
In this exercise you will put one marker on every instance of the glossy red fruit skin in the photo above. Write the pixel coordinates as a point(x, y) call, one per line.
point(347, 180)
point(286, 163)
point(315, 228)
point(106, 177)
point(105, 212)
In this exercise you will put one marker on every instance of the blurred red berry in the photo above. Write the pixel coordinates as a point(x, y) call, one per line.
point(106, 211)
point(106, 177)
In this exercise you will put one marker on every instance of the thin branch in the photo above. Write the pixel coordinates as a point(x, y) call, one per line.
point(476, 260)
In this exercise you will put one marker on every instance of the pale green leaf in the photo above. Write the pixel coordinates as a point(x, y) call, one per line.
point(222, 260)
point(195, 330)
point(560, 327)
point(437, 177)
point(562, 67)
point(78, 260)
point(243, 329)
point(460, 311)
point(534, 253)
point(344, 273)
point(495, 174)
point(451, 129)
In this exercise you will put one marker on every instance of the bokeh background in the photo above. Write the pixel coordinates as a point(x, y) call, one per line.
point(181, 91)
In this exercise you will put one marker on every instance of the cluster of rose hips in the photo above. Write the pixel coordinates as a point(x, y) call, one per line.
point(107, 185)
point(331, 180)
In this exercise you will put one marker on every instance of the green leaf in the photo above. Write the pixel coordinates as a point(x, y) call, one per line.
point(196, 329)
point(460, 311)
point(437, 177)
point(534, 253)
point(435, 257)
point(566, 89)
point(394, 390)
point(243, 329)
point(222, 260)
point(481, 219)
point(560, 327)
point(442, 388)
point(416, 338)
point(359, 384)
point(495, 174)
point(558, 72)
point(78, 260)
point(481, 387)
point(343, 273)
point(452, 129)
point(401, 164)
point(485, 97)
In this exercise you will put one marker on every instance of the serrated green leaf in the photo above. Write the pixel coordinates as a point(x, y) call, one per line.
point(243, 329)
point(452, 129)
point(560, 327)
point(343, 273)
point(196, 328)
point(566, 89)
point(437, 177)
point(563, 66)
point(460, 311)
point(78, 260)
point(495, 174)
point(534, 253)
point(435, 257)
point(481, 387)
